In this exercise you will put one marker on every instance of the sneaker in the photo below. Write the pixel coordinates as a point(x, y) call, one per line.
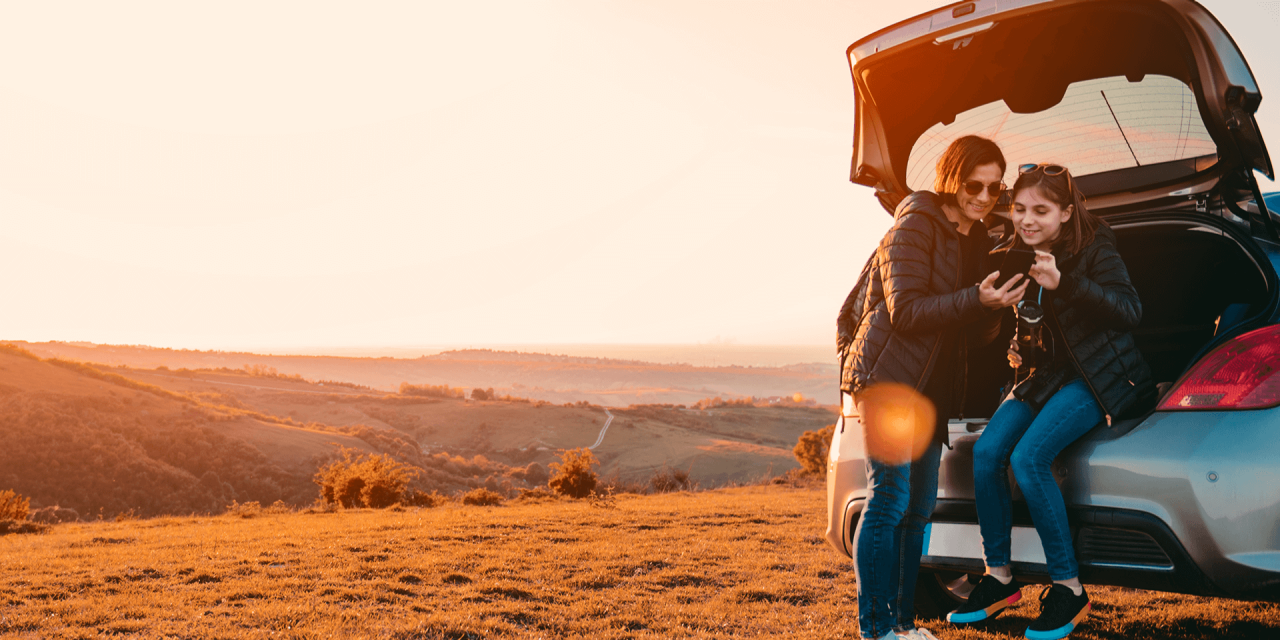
point(1061, 611)
point(918, 633)
point(987, 599)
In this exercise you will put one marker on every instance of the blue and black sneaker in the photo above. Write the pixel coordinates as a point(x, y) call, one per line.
point(1061, 611)
point(987, 599)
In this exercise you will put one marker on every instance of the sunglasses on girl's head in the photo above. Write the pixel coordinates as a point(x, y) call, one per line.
point(1048, 169)
point(973, 188)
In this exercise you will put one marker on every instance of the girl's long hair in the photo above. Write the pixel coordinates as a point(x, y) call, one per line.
point(1078, 231)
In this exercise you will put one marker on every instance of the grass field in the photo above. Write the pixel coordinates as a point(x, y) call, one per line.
point(744, 562)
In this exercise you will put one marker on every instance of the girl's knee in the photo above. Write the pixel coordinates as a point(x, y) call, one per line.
point(1027, 463)
point(987, 460)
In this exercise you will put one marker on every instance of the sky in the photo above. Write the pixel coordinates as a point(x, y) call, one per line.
point(312, 175)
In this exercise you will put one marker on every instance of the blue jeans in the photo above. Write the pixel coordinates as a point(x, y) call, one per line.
point(1019, 437)
point(889, 540)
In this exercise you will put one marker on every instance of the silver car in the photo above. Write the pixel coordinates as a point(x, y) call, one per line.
point(1151, 105)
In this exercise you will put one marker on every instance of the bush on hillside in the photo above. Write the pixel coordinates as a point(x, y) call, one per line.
point(666, 480)
point(573, 475)
point(54, 515)
point(811, 450)
point(482, 498)
point(431, 390)
point(13, 506)
point(376, 481)
point(415, 498)
point(536, 494)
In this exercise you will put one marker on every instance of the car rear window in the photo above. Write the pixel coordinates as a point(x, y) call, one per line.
point(1100, 125)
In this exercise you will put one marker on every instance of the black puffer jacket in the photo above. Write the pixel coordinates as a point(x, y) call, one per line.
point(1094, 308)
point(892, 323)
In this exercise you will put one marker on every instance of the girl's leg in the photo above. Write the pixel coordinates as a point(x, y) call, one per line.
point(876, 551)
point(923, 497)
point(991, 482)
point(1069, 414)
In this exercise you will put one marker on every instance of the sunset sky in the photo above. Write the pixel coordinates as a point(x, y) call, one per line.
point(249, 175)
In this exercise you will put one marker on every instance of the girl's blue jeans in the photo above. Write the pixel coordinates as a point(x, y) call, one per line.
point(1019, 437)
point(889, 539)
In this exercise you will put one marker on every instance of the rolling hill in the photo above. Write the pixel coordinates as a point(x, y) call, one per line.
point(106, 440)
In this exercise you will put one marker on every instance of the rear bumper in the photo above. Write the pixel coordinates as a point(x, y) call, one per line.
point(1116, 547)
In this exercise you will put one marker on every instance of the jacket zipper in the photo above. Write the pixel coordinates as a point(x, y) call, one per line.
point(964, 382)
point(1053, 313)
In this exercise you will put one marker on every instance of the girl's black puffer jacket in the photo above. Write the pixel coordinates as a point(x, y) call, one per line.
point(1095, 308)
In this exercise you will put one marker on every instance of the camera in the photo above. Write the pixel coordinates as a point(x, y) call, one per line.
point(1030, 326)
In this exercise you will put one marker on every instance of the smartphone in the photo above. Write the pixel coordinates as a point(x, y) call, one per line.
point(1015, 261)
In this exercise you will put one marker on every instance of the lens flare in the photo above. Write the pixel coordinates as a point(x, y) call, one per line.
point(897, 422)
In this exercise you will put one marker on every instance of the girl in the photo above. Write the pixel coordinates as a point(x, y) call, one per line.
point(1089, 371)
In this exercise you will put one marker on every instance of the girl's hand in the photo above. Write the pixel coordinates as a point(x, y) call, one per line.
point(1045, 270)
point(1015, 360)
point(1005, 296)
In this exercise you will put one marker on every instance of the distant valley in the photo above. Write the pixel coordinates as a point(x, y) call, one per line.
point(551, 377)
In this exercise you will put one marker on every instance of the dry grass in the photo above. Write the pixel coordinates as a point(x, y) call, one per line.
point(747, 562)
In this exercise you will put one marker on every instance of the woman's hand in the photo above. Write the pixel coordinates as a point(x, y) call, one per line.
point(1015, 360)
point(1045, 270)
point(1005, 296)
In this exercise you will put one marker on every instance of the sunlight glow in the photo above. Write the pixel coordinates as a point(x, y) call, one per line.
point(898, 422)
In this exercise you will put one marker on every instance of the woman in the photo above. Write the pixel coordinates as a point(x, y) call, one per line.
point(1088, 370)
point(908, 324)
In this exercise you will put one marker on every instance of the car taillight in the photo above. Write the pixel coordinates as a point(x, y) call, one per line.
point(1241, 374)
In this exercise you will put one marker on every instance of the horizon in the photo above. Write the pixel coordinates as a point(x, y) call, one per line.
point(697, 355)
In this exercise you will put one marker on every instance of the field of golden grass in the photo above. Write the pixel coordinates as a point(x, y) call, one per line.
point(732, 563)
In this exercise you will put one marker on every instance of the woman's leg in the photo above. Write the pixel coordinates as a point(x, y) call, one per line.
point(910, 532)
point(1069, 414)
point(991, 482)
point(875, 542)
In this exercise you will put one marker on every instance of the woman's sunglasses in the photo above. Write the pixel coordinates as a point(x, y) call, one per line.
point(1048, 169)
point(973, 188)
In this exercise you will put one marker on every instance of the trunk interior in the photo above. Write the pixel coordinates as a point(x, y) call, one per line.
point(1195, 283)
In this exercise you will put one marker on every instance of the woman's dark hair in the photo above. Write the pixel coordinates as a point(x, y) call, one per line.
point(962, 156)
point(1077, 232)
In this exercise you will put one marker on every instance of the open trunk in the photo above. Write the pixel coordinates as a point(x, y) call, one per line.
point(1197, 282)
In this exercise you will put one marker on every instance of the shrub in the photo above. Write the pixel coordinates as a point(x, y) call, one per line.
point(536, 494)
point(376, 481)
point(666, 480)
point(716, 402)
point(573, 476)
point(415, 498)
point(13, 526)
point(245, 509)
point(54, 515)
point(431, 390)
point(13, 506)
point(482, 497)
point(811, 450)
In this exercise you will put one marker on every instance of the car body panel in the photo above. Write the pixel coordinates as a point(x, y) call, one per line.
point(1225, 89)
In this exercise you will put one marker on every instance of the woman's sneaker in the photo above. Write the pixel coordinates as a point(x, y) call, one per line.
point(1061, 611)
point(918, 633)
point(987, 599)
